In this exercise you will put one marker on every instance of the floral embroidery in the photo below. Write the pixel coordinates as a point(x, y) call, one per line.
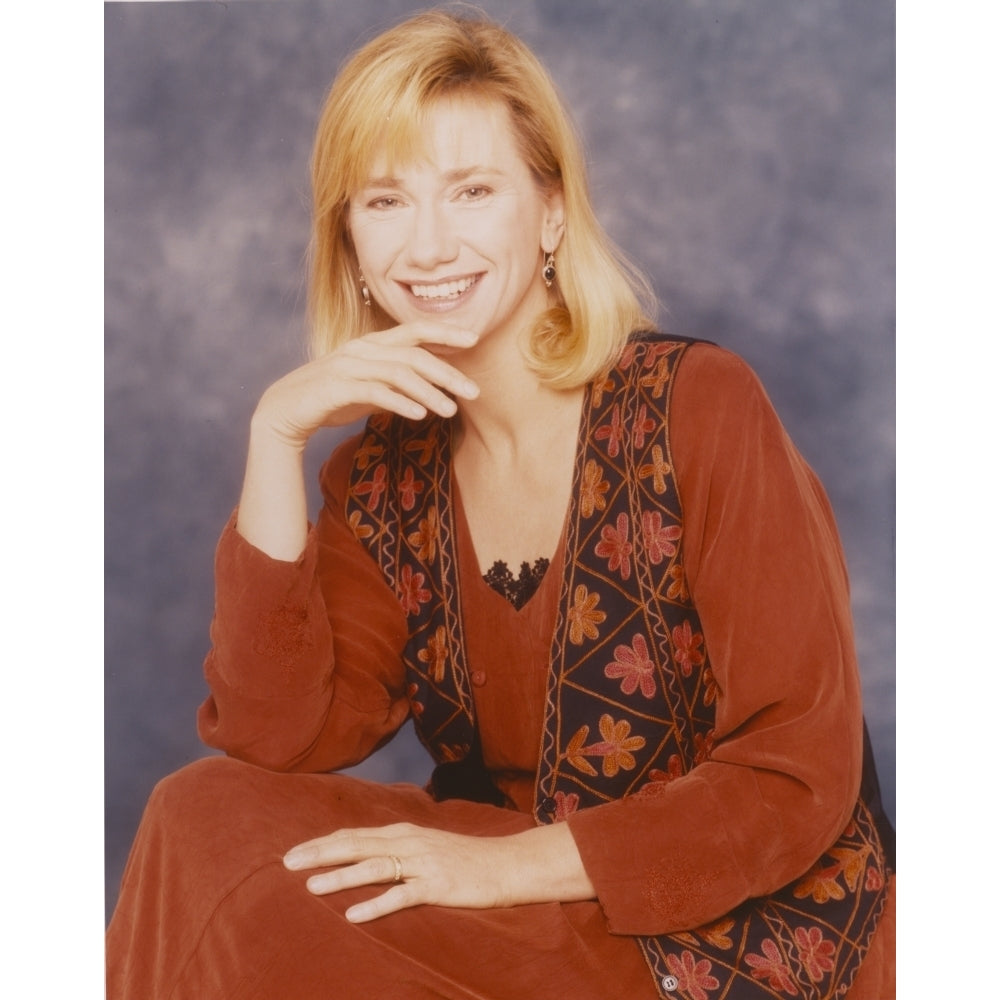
point(368, 453)
point(820, 883)
point(772, 967)
point(600, 387)
point(852, 863)
point(686, 648)
point(583, 616)
point(711, 687)
point(657, 380)
point(717, 934)
point(416, 707)
point(614, 432)
point(873, 880)
point(693, 976)
point(360, 530)
point(675, 770)
point(616, 746)
point(409, 487)
point(658, 538)
point(592, 489)
point(411, 591)
point(703, 746)
point(615, 546)
point(677, 591)
point(643, 425)
point(426, 536)
point(425, 446)
point(566, 805)
point(634, 666)
point(815, 951)
point(659, 469)
point(375, 486)
point(574, 751)
point(436, 654)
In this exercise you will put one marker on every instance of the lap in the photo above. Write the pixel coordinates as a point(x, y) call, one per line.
point(207, 864)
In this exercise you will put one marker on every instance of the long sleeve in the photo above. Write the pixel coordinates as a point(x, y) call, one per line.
point(304, 670)
point(767, 576)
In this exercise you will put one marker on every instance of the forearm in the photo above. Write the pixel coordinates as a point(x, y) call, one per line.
point(273, 514)
point(544, 865)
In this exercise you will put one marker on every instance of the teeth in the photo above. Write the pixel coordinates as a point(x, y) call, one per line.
point(446, 290)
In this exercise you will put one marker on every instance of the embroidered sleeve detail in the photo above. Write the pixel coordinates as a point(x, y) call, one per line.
point(283, 635)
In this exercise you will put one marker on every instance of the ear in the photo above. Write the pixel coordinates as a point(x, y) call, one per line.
point(554, 221)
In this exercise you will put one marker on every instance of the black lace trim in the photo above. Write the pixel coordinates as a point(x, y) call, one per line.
point(518, 591)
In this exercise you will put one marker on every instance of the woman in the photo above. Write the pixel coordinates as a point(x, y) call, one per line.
point(582, 556)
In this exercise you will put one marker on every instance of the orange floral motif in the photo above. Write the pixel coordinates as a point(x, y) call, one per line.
point(416, 707)
point(675, 770)
point(592, 489)
point(815, 951)
point(598, 390)
point(614, 432)
point(659, 469)
point(436, 654)
point(574, 751)
point(368, 453)
point(426, 536)
point(409, 487)
point(772, 967)
point(425, 446)
point(657, 537)
point(616, 747)
point(693, 976)
point(411, 590)
point(687, 651)
point(658, 379)
point(360, 530)
point(677, 591)
point(643, 425)
point(584, 616)
point(717, 934)
point(711, 687)
point(375, 486)
point(615, 546)
point(820, 883)
point(634, 666)
point(852, 863)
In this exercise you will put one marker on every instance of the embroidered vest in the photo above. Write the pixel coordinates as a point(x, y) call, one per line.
point(631, 697)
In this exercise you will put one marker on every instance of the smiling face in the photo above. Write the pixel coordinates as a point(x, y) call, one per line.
point(460, 234)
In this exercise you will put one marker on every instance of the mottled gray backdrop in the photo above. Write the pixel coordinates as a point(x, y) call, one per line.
point(741, 151)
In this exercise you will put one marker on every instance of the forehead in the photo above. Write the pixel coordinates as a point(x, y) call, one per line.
point(452, 134)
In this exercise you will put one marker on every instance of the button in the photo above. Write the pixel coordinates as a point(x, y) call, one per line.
point(479, 677)
point(669, 983)
point(549, 805)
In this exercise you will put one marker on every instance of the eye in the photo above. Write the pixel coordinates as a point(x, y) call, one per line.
point(475, 192)
point(383, 202)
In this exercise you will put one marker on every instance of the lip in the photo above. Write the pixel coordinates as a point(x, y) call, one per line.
point(442, 303)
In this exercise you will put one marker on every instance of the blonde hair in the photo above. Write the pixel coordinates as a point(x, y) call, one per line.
point(379, 101)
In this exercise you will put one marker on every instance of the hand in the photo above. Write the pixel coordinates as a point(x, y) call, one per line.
point(397, 370)
point(444, 869)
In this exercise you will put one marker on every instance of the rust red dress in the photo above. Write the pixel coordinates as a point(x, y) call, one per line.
point(305, 677)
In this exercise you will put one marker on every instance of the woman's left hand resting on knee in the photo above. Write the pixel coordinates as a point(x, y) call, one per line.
point(445, 869)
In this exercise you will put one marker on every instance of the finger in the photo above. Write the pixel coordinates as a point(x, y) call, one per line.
point(425, 332)
point(399, 897)
point(372, 871)
point(348, 846)
point(399, 366)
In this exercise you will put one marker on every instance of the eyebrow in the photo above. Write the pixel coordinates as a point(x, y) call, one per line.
point(451, 176)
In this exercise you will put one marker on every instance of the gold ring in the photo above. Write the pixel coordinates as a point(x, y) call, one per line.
point(398, 876)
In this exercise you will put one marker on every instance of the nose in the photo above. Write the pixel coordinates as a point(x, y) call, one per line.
point(432, 238)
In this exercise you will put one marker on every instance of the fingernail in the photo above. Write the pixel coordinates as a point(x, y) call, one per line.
point(294, 860)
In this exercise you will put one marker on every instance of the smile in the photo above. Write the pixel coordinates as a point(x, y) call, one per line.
point(444, 290)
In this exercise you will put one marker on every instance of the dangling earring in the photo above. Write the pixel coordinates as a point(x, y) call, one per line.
point(365, 294)
point(549, 269)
